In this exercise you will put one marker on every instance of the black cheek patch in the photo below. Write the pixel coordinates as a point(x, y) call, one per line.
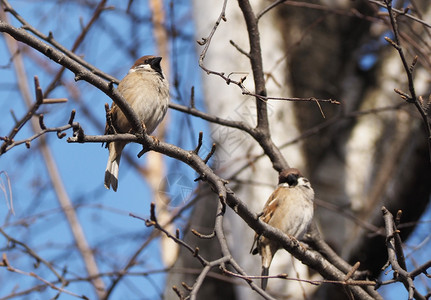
point(292, 179)
point(157, 68)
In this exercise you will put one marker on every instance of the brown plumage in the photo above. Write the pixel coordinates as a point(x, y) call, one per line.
point(146, 90)
point(290, 209)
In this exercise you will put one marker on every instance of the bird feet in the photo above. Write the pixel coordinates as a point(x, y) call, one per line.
point(155, 139)
point(109, 128)
point(297, 243)
point(145, 127)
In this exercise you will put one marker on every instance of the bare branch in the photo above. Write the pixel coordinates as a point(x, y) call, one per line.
point(394, 258)
point(81, 73)
point(409, 73)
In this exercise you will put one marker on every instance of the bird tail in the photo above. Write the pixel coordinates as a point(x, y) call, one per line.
point(264, 281)
point(112, 167)
point(267, 252)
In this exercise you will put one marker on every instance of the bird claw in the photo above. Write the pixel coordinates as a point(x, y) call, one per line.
point(303, 246)
point(294, 239)
point(297, 243)
point(155, 139)
point(110, 128)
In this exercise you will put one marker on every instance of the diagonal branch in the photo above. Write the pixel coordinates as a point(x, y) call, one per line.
point(50, 163)
point(50, 39)
point(312, 259)
point(81, 73)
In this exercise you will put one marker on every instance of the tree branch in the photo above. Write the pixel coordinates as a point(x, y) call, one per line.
point(81, 73)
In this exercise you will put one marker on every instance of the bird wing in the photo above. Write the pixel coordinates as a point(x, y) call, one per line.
point(270, 207)
point(271, 204)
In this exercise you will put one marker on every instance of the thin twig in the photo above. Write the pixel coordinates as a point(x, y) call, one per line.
point(404, 276)
point(412, 98)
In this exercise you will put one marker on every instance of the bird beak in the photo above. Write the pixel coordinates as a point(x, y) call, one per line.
point(156, 60)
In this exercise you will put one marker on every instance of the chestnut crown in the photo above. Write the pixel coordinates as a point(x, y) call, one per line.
point(149, 60)
point(289, 176)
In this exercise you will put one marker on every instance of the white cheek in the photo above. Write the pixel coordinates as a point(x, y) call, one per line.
point(303, 181)
point(141, 68)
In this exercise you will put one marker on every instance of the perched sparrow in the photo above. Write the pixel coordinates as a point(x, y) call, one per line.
point(146, 90)
point(290, 209)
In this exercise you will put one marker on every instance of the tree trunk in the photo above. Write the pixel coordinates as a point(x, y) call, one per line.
point(357, 163)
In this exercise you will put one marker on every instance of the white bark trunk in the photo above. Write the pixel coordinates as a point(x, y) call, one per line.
point(236, 148)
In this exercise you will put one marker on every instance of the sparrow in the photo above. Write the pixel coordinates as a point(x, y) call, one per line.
point(290, 209)
point(146, 90)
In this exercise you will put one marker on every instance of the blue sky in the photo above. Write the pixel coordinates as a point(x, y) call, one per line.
point(104, 214)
